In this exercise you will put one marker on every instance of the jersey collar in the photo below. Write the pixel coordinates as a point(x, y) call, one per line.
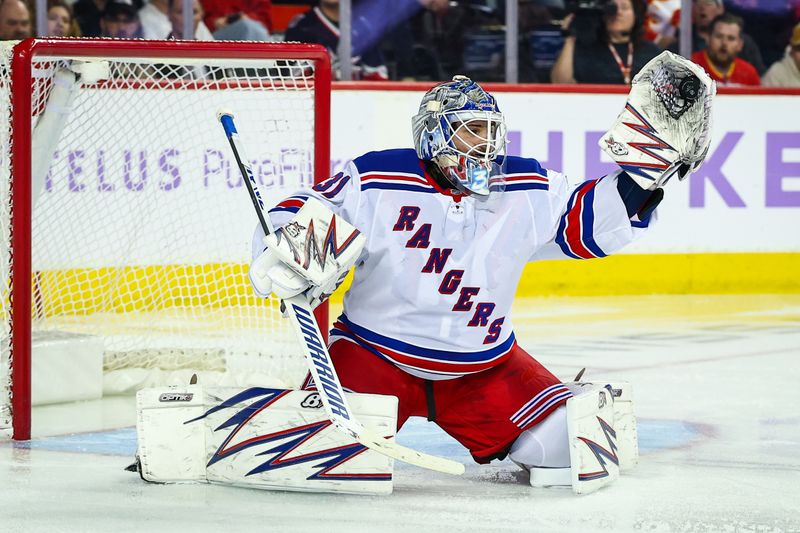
point(447, 191)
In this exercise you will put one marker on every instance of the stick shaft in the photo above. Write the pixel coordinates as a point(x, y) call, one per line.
point(247, 173)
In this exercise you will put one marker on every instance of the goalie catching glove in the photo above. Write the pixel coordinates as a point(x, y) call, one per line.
point(311, 254)
point(665, 127)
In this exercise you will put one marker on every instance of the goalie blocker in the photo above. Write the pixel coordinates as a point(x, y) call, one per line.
point(260, 438)
point(312, 253)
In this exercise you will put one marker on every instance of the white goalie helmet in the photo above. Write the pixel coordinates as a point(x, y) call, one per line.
point(460, 128)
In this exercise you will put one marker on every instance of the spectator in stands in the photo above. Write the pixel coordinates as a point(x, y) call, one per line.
point(413, 48)
point(661, 24)
point(786, 72)
point(15, 20)
point(720, 58)
point(120, 20)
point(88, 14)
point(175, 15)
point(769, 23)
point(321, 26)
point(239, 20)
point(610, 51)
point(703, 14)
point(60, 22)
point(156, 20)
point(176, 19)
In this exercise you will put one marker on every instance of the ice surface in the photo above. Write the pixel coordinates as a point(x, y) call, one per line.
point(715, 381)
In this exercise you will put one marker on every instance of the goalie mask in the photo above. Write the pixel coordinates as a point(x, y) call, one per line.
point(460, 128)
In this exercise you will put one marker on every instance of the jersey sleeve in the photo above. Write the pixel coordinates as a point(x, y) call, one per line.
point(340, 193)
point(590, 220)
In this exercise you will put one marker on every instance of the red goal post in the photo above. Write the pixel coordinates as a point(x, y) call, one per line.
point(111, 227)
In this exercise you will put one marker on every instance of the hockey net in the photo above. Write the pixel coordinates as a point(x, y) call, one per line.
point(138, 220)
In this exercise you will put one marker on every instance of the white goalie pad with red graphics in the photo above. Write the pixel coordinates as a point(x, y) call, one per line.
point(594, 457)
point(602, 434)
point(260, 438)
point(624, 420)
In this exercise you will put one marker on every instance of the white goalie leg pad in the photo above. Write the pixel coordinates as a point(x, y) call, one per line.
point(625, 425)
point(261, 438)
point(169, 450)
point(537, 449)
point(594, 457)
point(624, 418)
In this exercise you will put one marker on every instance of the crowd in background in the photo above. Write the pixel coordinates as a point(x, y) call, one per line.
point(738, 42)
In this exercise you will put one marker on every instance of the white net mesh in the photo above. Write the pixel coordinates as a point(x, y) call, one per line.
point(141, 228)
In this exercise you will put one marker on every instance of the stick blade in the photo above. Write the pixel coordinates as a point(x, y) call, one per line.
point(407, 455)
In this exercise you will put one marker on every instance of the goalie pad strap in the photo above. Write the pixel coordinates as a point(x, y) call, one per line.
point(542, 476)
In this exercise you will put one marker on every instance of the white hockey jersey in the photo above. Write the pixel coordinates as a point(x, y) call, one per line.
point(433, 288)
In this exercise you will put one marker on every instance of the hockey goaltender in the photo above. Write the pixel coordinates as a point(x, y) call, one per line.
point(439, 235)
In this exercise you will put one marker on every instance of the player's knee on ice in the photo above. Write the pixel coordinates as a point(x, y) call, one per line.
point(545, 444)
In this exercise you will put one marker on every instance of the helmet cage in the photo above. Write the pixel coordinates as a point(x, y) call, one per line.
point(477, 135)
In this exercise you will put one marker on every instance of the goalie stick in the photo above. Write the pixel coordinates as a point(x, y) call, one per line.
point(300, 314)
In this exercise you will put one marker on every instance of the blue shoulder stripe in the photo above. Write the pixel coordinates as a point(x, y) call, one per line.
point(527, 187)
point(397, 160)
point(522, 165)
